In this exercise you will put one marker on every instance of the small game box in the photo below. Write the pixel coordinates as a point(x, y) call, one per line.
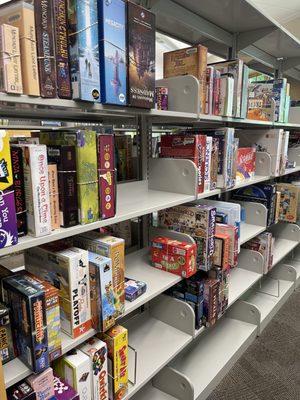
point(102, 294)
point(134, 289)
point(117, 345)
point(42, 384)
point(75, 369)
point(111, 247)
point(64, 391)
point(28, 308)
point(221, 254)
point(173, 256)
point(97, 352)
point(7, 352)
point(21, 391)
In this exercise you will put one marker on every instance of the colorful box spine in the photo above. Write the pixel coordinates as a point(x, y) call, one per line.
point(102, 294)
point(162, 98)
point(63, 78)
point(65, 158)
point(27, 303)
point(21, 15)
point(211, 301)
point(216, 93)
point(7, 352)
point(209, 90)
point(141, 56)
point(214, 164)
point(289, 198)
point(246, 158)
point(43, 11)
point(84, 49)
point(208, 153)
point(19, 189)
point(36, 189)
point(113, 51)
point(98, 353)
point(53, 196)
point(42, 384)
point(10, 60)
point(117, 345)
point(106, 175)
point(20, 391)
point(221, 254)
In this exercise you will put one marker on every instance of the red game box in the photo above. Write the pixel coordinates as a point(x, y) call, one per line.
point(173, 256)
point(246, 157)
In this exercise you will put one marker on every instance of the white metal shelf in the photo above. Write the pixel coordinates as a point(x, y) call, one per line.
point(156, 342)
point(241, 280)
point(16, 370)
point(150, 392)
point(282, 248)
point(249, 231)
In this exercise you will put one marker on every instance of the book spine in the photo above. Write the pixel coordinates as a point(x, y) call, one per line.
point(45, 47)
point(61, 50)
point(216, 93)
point(18, 176)
point(202, 65)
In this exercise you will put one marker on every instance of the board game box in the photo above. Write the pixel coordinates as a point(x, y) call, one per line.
point(28, 308)
point(246, 157)
point(221, 253)
point(20, 391)
point(134, 289)
point(53, 196)
point(289, 198)
point(42, 384)
point(141, 56)
point(64, 391)
point(7, 352)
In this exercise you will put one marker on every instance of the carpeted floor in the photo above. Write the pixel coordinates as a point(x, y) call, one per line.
point(270, 368)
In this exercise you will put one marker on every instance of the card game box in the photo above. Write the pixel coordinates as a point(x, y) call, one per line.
point(102, 295)
point(141, 56)
point(20, 391)
point(84, 49)
point(10, 63)
point(53, 196)
point(221, 253)
point(36, 189)
point(205, 252)
point(173, 256)
point(75, 369)
point(19, 189)
point(113, 51)
point(232, 232)
point(84, 141)
point(117, 346)
point(106, 175)
point(97, 351)
point(63, 78)
point(42, 384)
point(65, 158)
point(192, 147)
point(246, 157)
point(207, 170)
point(7, 352)
point(29, 323)
point(223, 276)
point(113, 248)
point(134, 289)
point(20, 14)
point(211, 301)
point(43, 12)
point(63, 391)
point(66, 268)
point(188, 61)
point(52, 314)
point(289, 198)
point(8, 221)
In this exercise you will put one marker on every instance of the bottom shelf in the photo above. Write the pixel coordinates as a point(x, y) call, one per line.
point(16, 370)
point(149, 392)
point(296, 266)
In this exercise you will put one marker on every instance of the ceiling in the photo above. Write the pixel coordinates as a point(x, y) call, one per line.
point(283, 11)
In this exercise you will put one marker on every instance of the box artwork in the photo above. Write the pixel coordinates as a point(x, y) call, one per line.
point(113, 248)
point(6, 342)
point(10, 63)
point(63, 391)
point(52, 314)
point(173, 256)
point(8, 221)
point(246, 157)
point(289, 198)
point(141, 56)
point(106, 175)
point(74, 368)
point(21, 391)
point(113, 51)
point(161, 98)
point(221, 254)
point(20, 14)
point(66, 268)
point(102, 294)
point(134, 289)
point(36, 189)
point(27, 304)
point(42, 384)
point(19, 189)
point(97, 351)
point(117, 346)
point(84, 49)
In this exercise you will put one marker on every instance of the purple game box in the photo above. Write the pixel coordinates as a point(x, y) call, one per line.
point(63, 391)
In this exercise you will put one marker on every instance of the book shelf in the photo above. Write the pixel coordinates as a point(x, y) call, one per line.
point(174, 360)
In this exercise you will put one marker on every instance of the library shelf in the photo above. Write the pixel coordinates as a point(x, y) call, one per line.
point(241, 280)
point(282, 248)
point(249, 231)
point(149, 392)
point(269, 297)
point(296, 265)
point(199, 368)
point(138, 266)
point(16, 370)
point(156, 343)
